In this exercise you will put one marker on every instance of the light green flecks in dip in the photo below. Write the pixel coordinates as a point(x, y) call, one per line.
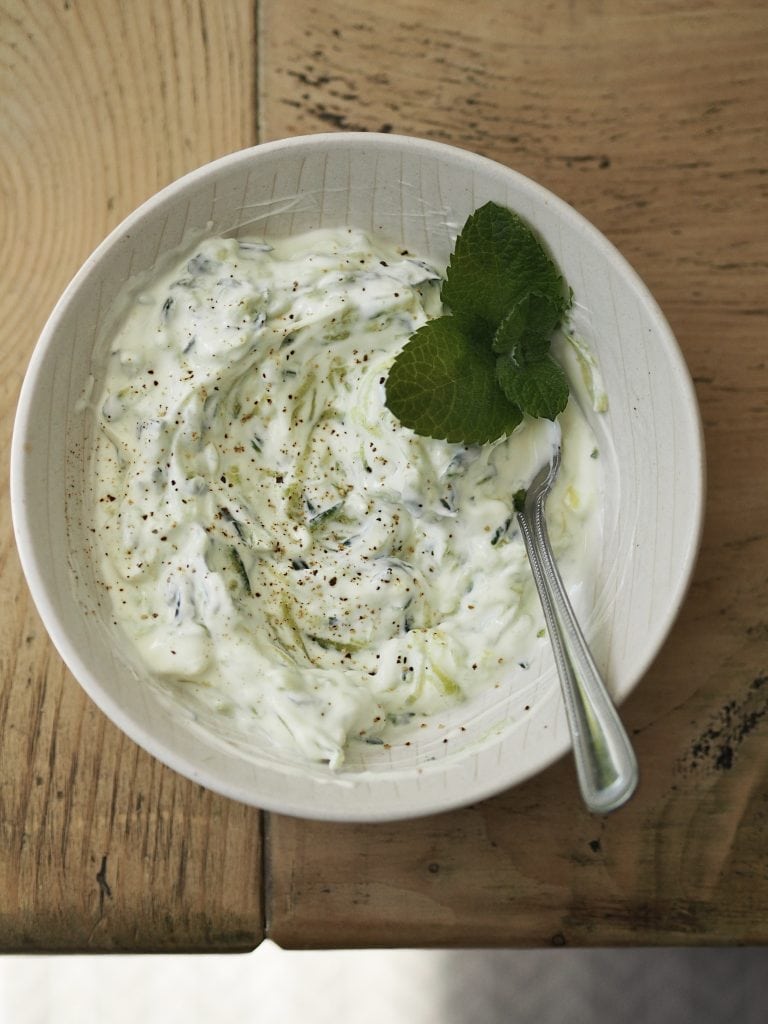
point(272, 539)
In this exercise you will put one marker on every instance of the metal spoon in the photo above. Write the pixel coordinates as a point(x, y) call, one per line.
point(605, 762)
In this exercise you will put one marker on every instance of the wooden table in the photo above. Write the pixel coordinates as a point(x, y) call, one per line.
point(650, 119)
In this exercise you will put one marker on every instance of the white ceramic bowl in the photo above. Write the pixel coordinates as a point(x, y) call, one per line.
point(417, 193)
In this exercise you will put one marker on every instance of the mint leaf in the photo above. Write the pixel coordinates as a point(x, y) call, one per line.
point(526, 331)
point(538, 388)
point(443, 385)
point(496, 262)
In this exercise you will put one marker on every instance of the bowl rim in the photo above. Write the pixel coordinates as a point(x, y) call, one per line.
point(34, 571)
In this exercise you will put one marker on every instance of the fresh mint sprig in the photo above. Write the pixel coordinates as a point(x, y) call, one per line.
point(470, 376)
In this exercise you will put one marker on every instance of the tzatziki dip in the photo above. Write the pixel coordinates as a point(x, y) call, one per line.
point(276, 546)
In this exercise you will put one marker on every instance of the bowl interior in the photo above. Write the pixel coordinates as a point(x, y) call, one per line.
point(417, 194)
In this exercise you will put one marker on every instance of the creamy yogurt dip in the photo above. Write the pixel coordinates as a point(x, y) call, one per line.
point(275, 544)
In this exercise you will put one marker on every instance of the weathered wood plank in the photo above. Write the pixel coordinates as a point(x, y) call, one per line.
point(651, 122)
point(650, 119)
point(101, 847)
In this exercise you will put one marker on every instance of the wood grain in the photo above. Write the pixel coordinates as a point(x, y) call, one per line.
point(102, 848)
point(650, 119)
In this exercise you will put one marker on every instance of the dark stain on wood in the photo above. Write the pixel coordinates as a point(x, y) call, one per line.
point(718, 745)
point(105, 890)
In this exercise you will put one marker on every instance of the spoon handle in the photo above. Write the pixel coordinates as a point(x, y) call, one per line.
point(605, 762)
